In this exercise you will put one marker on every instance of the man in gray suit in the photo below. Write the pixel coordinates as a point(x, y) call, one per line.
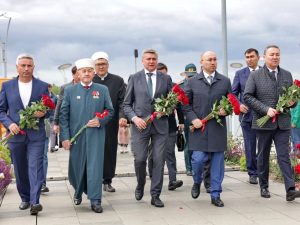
point(75, 80)
point(142, 88)
point(263, 88)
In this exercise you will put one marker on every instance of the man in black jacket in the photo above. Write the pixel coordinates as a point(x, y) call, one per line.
point(262, 92)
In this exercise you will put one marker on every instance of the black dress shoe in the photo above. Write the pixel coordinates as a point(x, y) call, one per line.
point(156, 201)
point(208, 190)
point(77, 201)
point(24, 205)
point(35, 209)
point(195, 190)
point(108, 188)
point(44, 188)
point(253, 180)
point(217, 202)
point(265, 193)
point(292, 194)
point(97, 208)
point(189, 173)
point(175, 184)
point(139, 192)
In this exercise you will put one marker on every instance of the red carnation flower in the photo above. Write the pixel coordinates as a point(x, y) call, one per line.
point(236, 110)
point(296, 82)
point(98, 114)
point(180, 98)
point(297, 169)
point(185, 101)
point(105, 112)
point(176, 88)
point(48, 102)
point(298, 145)
point(102, 115)
point(180, 92)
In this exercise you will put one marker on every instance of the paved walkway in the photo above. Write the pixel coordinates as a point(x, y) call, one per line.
point(243, 204)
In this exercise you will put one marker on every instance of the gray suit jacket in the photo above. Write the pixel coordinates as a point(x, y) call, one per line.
point(201, 97)
point(138, 103)
point(59, 102)
point(262, 92)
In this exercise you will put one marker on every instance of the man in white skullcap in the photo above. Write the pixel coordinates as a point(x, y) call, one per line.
point(116, 88)
point(80, 103)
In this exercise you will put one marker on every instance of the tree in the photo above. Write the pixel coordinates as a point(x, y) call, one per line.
point(55, 89)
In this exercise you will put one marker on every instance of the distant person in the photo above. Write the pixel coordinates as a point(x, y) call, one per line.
point(27, 152)
point(53, 97)
point(295, 131)
point(87, 155)
point(116, 88)
point(76, 79)
point(203, 91)
point(263, 88)
point(238, 87)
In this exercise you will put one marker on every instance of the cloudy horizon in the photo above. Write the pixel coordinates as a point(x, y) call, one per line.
point(59, 32)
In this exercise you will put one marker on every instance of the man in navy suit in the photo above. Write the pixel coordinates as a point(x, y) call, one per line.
point(27, 152)
point(238, 87)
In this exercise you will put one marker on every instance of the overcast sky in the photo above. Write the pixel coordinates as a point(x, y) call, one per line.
point(58, 32)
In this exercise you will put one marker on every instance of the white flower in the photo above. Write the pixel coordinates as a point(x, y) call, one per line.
point(2, 175)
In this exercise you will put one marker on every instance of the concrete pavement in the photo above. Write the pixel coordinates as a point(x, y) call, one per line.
point(243, 204)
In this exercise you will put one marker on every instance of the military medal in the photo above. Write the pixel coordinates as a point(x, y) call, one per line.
point(95, 94)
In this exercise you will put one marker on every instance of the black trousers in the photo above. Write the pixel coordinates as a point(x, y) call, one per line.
point(281, 140)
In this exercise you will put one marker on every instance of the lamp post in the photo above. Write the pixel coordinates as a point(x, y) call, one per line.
point(136, 55)
point(62, 70)
point(6, 15)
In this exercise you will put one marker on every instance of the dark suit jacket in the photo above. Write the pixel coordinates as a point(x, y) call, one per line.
point(238, 87)
point(262, 92)
point(172, 120)
point(138, 103)
point(201, 97)
point(10, 100)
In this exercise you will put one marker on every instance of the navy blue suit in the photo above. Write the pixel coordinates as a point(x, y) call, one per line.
point(26, 151)
point(238, 88)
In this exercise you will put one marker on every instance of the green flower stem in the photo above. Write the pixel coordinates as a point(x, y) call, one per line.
point(79, 132)
point(6, 139)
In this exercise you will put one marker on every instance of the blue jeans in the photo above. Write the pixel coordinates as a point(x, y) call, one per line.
point(45, 162)
point(295, 136)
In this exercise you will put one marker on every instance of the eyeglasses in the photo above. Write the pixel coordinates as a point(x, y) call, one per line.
point(211, 60)
point(101, 65)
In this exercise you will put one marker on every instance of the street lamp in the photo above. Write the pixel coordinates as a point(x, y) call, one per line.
point(62, 70)
point(6, 15)
point(136, 55)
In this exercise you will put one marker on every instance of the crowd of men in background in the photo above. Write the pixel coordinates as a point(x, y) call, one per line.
point(93, 163)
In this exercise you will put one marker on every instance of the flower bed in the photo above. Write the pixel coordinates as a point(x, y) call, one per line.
point(235, 150)
point(6, 173)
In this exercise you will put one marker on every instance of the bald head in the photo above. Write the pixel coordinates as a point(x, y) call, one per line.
point(209, 62)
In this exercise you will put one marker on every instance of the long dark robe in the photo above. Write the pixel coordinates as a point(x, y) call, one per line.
point(116, 88)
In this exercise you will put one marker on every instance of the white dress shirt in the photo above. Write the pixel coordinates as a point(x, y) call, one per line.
point(254, 69)
point(85, 85)
point(25, 92)
point(276, 72)
point(207, 75)
point(153, 78)
point(102, 78)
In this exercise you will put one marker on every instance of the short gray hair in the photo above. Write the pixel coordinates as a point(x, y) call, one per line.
point(149, 50)
point(270, 46)
point(24, 56)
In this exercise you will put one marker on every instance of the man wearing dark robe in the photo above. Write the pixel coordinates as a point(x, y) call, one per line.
point(116, 88)
point(80, 103)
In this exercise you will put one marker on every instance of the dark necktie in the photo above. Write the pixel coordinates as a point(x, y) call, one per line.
point(87, 87)
point(150, 85)
point(274, 72)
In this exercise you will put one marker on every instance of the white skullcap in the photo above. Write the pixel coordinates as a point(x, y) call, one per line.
point(82, 63)
point(100, 55)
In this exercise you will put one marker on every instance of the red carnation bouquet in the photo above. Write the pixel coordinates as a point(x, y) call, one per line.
point(282, 107)
point(167, 104)
point(97, 115)
point(229, 104)
point(27, 117)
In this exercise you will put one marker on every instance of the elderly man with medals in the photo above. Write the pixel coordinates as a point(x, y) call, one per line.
point(80, 103)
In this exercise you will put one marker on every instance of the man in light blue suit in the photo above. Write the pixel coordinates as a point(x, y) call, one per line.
point(27, 152)
point(238, 87)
